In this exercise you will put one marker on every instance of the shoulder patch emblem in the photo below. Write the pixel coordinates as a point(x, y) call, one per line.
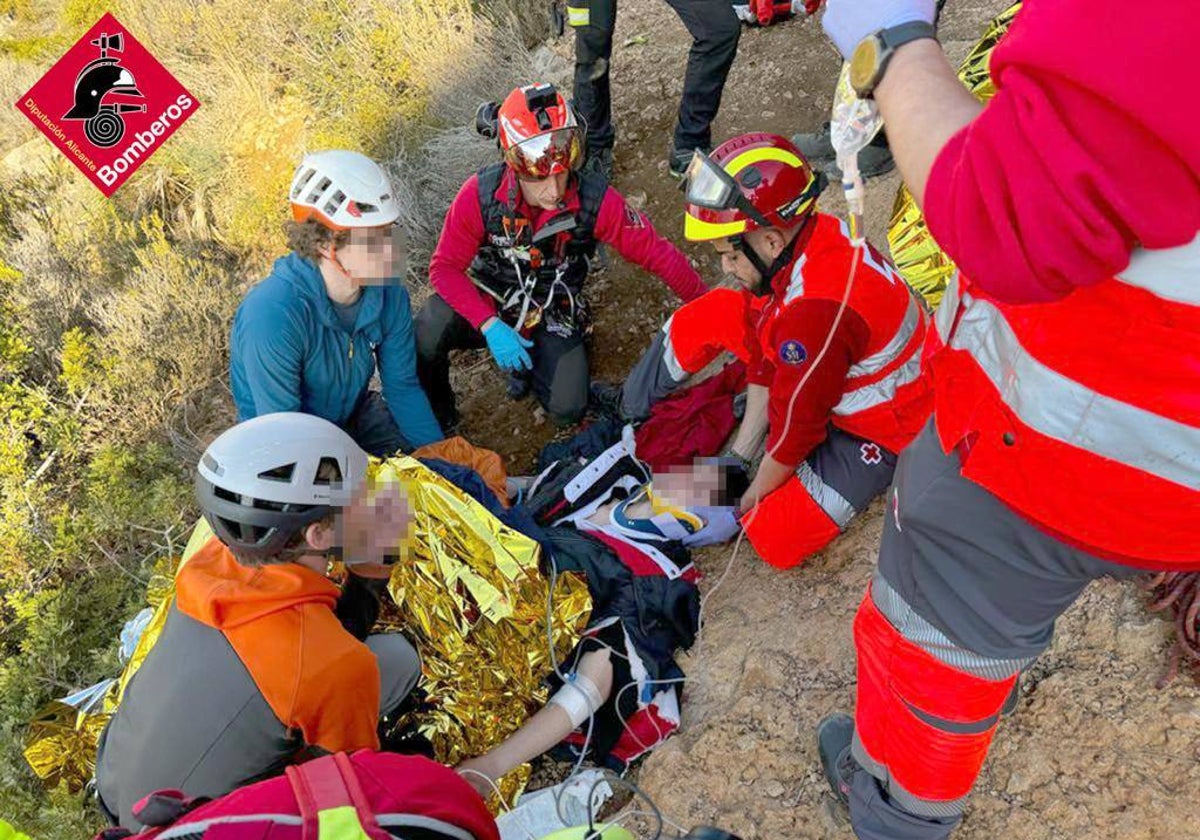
point(792, 352)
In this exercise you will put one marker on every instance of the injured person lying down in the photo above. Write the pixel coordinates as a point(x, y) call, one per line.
point(630, 533)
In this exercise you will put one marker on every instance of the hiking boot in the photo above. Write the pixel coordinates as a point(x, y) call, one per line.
point(874, 160)
point(816, 147)
point(601, 161)
point(678, 160)
point(605, 399)
point(834, 734)
point(518, 386)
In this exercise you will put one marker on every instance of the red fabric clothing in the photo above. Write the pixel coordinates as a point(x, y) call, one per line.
point(1047, 190)
point(797, 425)
point(869, 381)
point(628, 231)
point(797, 320)
point(903, 694)
point(693, 422)
point(385, 783)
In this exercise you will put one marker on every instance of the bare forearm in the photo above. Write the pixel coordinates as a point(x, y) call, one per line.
point(923, 104)
point(754, 423)
point(546, 728)
point(770, 476)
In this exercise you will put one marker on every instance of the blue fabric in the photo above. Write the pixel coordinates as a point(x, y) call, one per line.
point(471, 483)
point(288, 352)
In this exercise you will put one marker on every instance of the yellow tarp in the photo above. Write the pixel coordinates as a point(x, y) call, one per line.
point(915, 253)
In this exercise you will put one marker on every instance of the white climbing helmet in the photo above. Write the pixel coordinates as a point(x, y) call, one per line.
point(342, 190)
point(263, 480)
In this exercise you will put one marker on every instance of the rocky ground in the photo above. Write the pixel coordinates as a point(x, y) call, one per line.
point(1094, 750)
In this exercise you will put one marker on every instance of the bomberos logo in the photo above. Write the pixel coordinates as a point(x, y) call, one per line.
point(108, 104)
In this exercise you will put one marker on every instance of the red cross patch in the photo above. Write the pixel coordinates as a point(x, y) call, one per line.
point(871, 454)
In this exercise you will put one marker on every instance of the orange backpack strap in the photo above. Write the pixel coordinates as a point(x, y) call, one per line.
point(331, 801)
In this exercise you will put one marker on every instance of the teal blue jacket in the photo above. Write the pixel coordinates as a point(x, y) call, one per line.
point(289, 353)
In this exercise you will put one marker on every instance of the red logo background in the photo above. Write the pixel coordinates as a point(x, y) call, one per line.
point(168, 106)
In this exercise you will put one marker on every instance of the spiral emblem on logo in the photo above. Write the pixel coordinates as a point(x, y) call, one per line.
point(105, 129)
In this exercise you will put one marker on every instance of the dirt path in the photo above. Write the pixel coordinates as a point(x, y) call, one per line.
point(1094, 750)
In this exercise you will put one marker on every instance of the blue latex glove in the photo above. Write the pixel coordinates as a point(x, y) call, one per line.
point(507, 346)
point(847, 22)
point(720, 525)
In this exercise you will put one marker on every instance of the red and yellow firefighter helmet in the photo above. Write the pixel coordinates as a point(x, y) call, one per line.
point(539, 133)
point(752, 181)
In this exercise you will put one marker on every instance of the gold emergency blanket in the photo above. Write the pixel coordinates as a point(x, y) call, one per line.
point(60, 743)
point(469, 593)
point(915, 253)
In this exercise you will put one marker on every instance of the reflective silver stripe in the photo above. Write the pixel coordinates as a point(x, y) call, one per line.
point(579, 15)
point(876, 362)
point(910, 802)
point(943, 318)
point(1171, 273)
point(878, 393)
point(796, 286)
point(933, 641)
point(829, 500)
point(1065, 410)
point(196, 829)
point(669, 358)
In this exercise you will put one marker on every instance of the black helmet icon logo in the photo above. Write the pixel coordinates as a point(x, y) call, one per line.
point(99, 80)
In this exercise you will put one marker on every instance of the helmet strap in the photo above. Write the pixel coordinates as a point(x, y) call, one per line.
point(767, 272)
point(333, 258)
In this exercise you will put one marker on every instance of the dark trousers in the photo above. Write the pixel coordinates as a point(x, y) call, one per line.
point(715, 30)
point(374, 428)
point(559, 377)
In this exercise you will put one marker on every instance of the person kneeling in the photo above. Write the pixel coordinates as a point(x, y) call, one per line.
point(515, 250)
point(831, 338)
point(262, 657)
point(334, 312)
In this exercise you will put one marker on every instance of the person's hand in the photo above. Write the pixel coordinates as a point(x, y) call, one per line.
point(479, 774)
point(720, 525)
point(847, 22)
point(507, 346)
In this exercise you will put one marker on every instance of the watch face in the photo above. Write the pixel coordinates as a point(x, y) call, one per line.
point(864, 63)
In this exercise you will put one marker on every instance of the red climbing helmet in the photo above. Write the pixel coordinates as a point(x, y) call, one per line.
point(539, 133)
point(753, 181)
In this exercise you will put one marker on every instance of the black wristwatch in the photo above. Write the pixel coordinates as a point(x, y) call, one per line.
point(871, 56)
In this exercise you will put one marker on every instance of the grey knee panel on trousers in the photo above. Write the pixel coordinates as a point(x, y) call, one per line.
point(981, 573)
point(972, 583)
point(399, 668)
point(845, 473)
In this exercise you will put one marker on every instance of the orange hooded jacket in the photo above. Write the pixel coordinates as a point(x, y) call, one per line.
point(280, 620)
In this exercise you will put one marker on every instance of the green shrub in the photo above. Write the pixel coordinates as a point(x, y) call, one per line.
point(114, 313)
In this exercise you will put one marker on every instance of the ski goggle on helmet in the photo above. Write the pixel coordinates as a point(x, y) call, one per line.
point(748, 182)
point(539, 133)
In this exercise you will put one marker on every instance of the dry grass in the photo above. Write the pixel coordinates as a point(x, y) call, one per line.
point(125, 304)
